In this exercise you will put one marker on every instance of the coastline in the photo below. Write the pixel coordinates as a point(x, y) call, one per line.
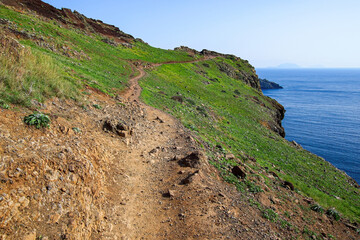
point(335, 128)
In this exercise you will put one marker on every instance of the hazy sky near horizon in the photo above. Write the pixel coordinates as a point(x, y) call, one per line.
point(310, 33)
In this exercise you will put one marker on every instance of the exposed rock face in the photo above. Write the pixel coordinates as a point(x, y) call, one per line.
point(279, 116)
point(67, 17)
point(250, 79)
point(266, 84)
point(190, 51)
point(11, 47)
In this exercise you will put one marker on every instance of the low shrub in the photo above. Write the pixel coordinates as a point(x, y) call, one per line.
point(76, 129)
point(253, 188)
point(285, 224)
point(97, 106)
point(37, 119)
point(317, 208)
point(333, 213)
point(270, 215)
point(4, 105)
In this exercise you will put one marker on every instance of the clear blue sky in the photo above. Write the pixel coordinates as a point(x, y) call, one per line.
point(309, 33)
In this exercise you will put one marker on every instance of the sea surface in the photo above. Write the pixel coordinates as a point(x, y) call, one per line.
point(322, 112)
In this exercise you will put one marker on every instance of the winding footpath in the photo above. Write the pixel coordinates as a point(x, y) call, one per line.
point(153, 196)
point(134, 90)
point(140, 207)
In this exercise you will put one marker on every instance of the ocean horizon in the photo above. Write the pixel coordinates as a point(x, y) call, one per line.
point(322, 111)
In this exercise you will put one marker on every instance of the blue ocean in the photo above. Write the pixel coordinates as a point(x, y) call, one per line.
point(322, 112)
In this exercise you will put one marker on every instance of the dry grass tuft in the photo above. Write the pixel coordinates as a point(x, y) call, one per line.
point(27, 75)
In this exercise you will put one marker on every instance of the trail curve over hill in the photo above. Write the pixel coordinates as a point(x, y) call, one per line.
point(132, 93)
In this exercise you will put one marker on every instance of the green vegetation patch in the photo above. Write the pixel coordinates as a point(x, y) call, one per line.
point(62, 60)
point(223, 110)
point(333, 213)
point(27, 75)
point(270, 215)
point(38, 119)
point(317, 208)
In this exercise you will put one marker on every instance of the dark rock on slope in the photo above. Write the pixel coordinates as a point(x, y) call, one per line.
point(250, 79)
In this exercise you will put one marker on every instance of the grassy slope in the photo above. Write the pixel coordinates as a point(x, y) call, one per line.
point(93, 62)
point(216, 116)
point(234, 123)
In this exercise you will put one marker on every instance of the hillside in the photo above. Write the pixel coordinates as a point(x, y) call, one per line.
point(146, 143)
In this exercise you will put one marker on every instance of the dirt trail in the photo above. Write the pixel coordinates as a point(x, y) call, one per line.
point(155, 197)
point(140, 207)
point(132, 93)
point(137, 192)
point(134, 90)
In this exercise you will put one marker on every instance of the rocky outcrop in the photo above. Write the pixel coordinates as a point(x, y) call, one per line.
point(193, 160)
point(277, 111)
point(70, 18)
point(266, 84)
point(207, 53)
point(279, 114)
point(250, 78)
point(238, 172)
point(190, 51)
point(119, 127)
point(239, 74)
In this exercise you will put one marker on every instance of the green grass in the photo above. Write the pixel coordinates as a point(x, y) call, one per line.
point(270, 215)
point(27, 75)
point(219, 118)
point(97, 106)
point(80, 58)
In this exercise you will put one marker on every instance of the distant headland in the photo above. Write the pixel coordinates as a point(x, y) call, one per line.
point(266, 84)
